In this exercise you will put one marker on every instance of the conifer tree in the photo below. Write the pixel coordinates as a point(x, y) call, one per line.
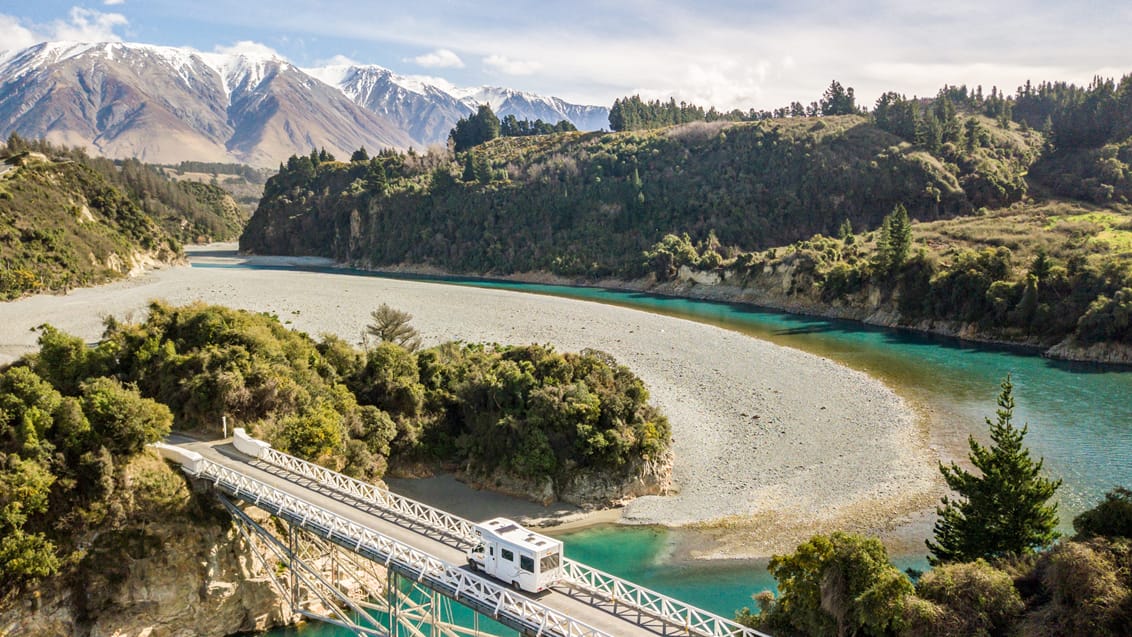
point(1004, 511)
point(894, 240)
point(469, 167)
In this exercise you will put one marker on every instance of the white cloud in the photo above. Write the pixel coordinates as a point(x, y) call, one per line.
point(440, 59)
point(249, 49)
point(82, 25)
point(111, 3)
point(432, 80)
point(88, 25)
point(506, 65)
point(341, 60)
point(14, 36)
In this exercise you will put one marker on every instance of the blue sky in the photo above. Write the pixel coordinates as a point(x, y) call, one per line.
point(759, 54)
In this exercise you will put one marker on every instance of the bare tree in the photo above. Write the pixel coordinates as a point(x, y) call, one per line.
point(392, 326)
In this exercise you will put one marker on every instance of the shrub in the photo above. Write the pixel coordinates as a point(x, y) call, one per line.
point(124, 420)
point(837, 585)
point(973, 599)
point(1111, 518)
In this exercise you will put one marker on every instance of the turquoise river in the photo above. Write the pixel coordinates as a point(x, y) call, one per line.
point(1079, 417)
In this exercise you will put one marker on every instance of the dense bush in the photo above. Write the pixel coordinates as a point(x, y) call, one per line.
point(58, 454)
point(71, 416)
point(1111, 518)
point(840, 584)
point(964, 600)
point(591, 204)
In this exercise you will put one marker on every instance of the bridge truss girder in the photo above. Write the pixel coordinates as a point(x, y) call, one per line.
point(322, 581)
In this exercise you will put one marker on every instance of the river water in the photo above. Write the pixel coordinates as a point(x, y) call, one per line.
point(1079, 417)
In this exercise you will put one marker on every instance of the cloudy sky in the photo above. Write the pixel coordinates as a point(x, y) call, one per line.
point(728, 53)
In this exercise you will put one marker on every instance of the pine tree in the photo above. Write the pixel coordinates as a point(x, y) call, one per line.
point(1005, 511)
point(900, 237)
point(894, 240)
point(469, 167)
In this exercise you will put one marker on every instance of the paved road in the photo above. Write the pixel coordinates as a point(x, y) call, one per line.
point(441, 547)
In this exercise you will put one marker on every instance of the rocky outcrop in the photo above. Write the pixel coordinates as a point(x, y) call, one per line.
point(139, 262)
point(184, 572)
point(180, 579)
point(586, 488)
point(590, 489)
point(1070, 350)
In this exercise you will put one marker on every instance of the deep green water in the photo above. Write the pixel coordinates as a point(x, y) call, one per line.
point(1079, 417)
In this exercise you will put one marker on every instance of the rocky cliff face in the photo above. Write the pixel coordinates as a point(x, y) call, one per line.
point(588, 489)
point(785, 288)
point(186, 572)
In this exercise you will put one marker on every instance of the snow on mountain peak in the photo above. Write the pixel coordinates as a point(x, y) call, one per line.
point(358, 80)
point(244, 64)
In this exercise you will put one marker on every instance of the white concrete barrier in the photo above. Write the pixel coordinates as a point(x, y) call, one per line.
point(190, 460)
point(247, 445)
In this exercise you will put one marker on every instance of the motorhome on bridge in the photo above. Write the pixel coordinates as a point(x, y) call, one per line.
point(511, 553)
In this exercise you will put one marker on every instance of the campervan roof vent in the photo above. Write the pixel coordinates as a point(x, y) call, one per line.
point(508, 528)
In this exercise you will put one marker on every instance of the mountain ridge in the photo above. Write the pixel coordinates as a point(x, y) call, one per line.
point(243, 104)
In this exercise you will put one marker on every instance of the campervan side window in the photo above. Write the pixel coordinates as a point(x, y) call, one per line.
point(548, 562)
point(507, 555)
point(527, 564)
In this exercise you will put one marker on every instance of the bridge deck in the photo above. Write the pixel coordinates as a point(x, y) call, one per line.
point(439, 546)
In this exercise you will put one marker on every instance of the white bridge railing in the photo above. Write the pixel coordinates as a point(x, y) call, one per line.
point(508, 607)
point(615, 590)
point(435, 519)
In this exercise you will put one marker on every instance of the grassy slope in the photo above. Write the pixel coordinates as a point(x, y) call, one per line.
point(63, 225)
point(75, 221)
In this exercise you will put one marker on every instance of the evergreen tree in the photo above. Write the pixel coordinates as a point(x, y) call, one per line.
point(894, 241)
point(899, 238)
point(475, 129)
point(360, 155)
point(1005, 511)
point(469, 167)
point(838, 100)
point(376, 180)
point(482, 168)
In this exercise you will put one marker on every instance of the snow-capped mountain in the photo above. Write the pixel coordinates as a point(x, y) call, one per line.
point(424, 111)
point(246, 104)
point(166, 104)
point(428, 110)
point(522, 105)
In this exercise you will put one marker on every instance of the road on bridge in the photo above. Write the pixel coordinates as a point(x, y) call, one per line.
point(444, 548)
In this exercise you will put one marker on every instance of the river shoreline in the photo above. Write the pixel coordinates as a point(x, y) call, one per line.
point(772, 445)
point(691, 288)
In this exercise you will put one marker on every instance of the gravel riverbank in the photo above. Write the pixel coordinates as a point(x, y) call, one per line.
point(771, 444)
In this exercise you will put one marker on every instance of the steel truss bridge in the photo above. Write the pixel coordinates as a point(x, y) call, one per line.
point(350, 553)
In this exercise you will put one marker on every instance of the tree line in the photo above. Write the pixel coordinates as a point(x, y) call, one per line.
point(484, 125)
point(632, 113)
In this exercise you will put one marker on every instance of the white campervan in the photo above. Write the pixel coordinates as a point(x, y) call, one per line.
point(519, 557)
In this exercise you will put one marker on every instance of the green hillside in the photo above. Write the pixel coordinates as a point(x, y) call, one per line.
point(590, 204)
point(69, 220)
point(788, 206)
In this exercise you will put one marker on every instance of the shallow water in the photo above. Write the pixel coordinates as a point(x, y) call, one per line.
point(1079, 417)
